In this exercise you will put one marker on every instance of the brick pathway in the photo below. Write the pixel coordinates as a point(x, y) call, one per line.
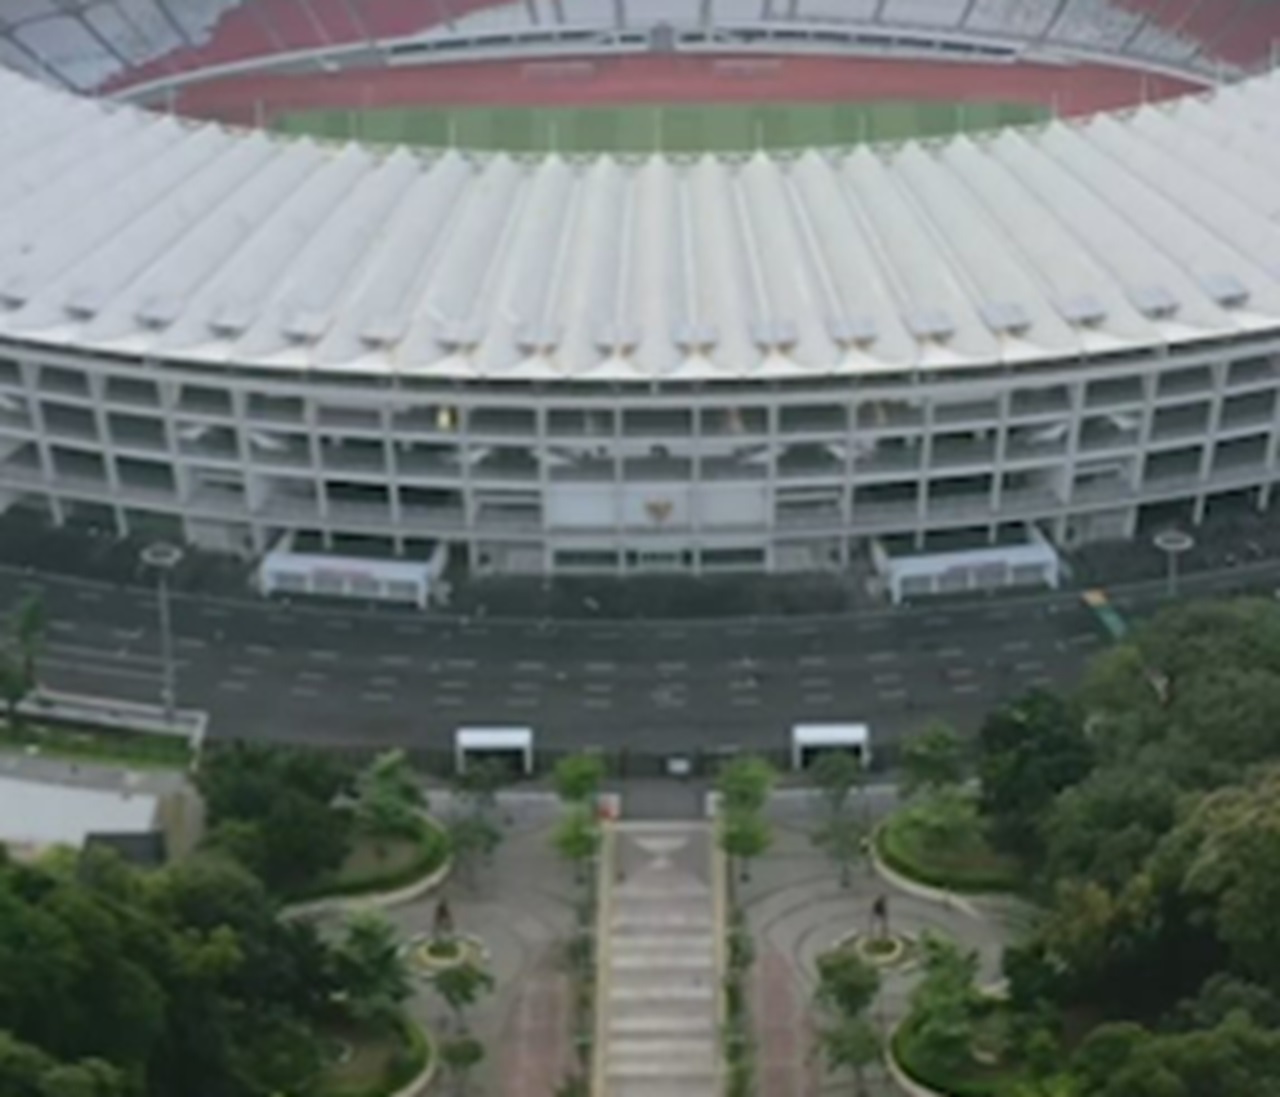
point(784, 1034)
point(536, 1051)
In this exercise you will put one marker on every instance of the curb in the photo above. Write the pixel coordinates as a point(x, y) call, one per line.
point(901, 1078)
point(927, 892)
point(374, 900)
point(419, 1085)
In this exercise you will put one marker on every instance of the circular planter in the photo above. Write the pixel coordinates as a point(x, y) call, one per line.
point(895, 951)
point(430, 962)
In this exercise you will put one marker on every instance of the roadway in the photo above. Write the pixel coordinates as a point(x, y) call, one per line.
point(303, 673)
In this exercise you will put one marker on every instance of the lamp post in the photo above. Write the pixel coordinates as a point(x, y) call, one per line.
point(1173, 543)
point(162, 558)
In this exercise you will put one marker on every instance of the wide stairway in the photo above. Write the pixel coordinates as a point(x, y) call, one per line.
point(661, 978)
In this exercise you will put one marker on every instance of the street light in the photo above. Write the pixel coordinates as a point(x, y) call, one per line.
point(162, 558)
point(1173, 543)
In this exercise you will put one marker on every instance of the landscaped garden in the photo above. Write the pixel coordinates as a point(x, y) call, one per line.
point(373, 1061)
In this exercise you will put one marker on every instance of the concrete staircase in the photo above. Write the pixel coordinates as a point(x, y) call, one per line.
point(662, 983)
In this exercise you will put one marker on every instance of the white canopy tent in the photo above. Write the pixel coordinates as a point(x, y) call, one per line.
point(494, 740)
point(807, 739)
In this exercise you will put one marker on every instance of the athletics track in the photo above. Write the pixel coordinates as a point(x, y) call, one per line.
point(1066, 89)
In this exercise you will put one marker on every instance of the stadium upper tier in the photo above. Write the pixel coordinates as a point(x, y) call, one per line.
point(138, 233)
point(111, 44)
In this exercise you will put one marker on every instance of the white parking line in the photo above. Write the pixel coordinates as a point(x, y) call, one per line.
point(231, 685)
point(312, 676)
point(597, 687)
point(261, 650)
point(304, 691)
point(531, 664)
point(384, 680)
point(817, 698)
point(394, 660)
point(672, 667)
point(600, 668)
point(812, 661)
point(214, 613)
point(601, 703)
point(452, 683)
point(1040, 680)
point(745, 701)
point(522, 702)
point(63, 626)
point(886, 679)
point(527, 687)
point(671, 634)
point(408, 630)
point(817, 683)
point(460, 664)
point(242, 671)
point(1031, 666)
point(192, 643)
point(321, 656)
point(891, 694)
point(965, 687)
point(882, 657)
point(960, 672)
point(447, 702)
point(951, 653)
point(1014, 646)
point(376, 697)
point(83, 595)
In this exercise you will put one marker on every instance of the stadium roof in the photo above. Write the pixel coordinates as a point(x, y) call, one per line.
point(142, 233)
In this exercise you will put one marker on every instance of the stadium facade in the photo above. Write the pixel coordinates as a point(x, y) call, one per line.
point(617, 364)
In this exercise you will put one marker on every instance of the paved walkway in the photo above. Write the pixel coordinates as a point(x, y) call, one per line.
point(796, 910)
point(521, 907)
point(662, 979)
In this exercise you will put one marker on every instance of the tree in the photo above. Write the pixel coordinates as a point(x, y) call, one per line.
point(945, 1005)
point(461, 987)
point(744, 836)
point(1029, 751)
point(1228, 850)
point(372, 970)
point(578, 778)
point(473, 838)
point(948, 819)
point(844, 839)
point(459, 1056)
point(15, 686)
point(389, 799)
point(847, 984)
point(850, 1044)
point(744, 785)
point(837, 773)
point(577, 839)
point(932, 760)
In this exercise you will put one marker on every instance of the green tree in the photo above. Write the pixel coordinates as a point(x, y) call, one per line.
point(577, 839)
point(578, 778)
point(932, 760)
point(372, 970)
point(461, 986)
point(850, 1044)
point(847, 984)
point(389, 800)
point(29, 625)
point(945, 1006)
point(843, 838)
point(744, 836)
point(1029, 751)
point(473, 838)
point(744, 785)
point(838, 774)
point(947, 819)
point(459, 1056)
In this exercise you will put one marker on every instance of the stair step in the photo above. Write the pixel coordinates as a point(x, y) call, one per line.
point(662, 1023)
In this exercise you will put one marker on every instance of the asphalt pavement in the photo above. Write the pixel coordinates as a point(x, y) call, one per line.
point(331, 675)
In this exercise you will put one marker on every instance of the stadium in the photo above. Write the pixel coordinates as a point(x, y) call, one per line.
point(553, 334)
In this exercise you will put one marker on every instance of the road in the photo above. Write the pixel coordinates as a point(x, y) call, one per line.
point(295, 673)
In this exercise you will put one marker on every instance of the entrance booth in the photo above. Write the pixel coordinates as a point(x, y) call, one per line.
point(284, 571)
point(808, 741)
point(506, 744)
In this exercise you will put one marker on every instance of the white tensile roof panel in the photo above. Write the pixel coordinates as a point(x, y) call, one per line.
point(121, 228)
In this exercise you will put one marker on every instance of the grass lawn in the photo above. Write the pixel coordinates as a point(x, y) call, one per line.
point(384, 864)
point(978, 1080)
point(968, 867)
point(106, 745)
point(379, 1061)
point(673, 127)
